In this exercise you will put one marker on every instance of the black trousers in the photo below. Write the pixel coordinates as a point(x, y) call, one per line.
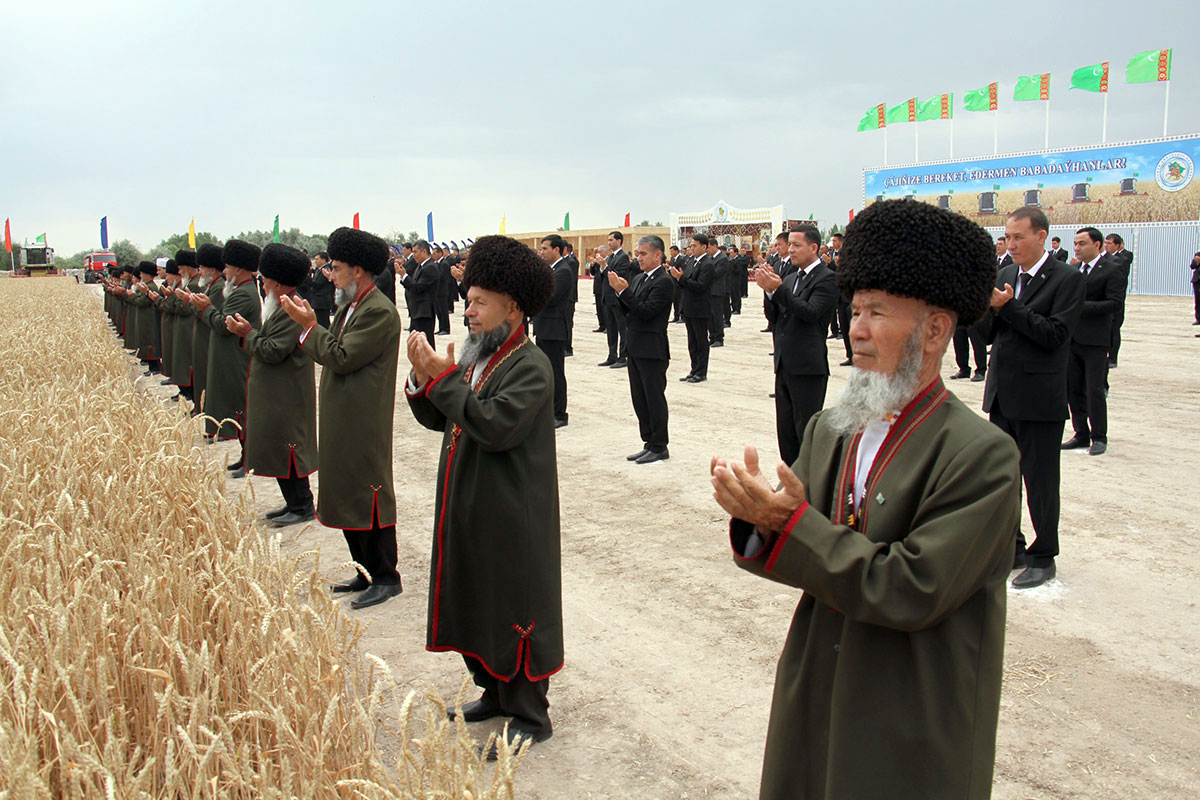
point(444, 303)
point(599, 306)
point(727, 307)
point(425, 326)
point(648, 387)
point(716, 319)
point(677, 303)
point(522, 699)
point(322, 317)
point(1196, 292)
point(614, 326)
point(735, 296)
point(375, 549)
point(843, 318)
point(571, 328)
point(967, 341)
point(1118, 321)
point(1087, 370)
point(797, 398)
point(697, 336)
point(297, 495)
point(556, 351)
point(769, 312)
point(1039, 442)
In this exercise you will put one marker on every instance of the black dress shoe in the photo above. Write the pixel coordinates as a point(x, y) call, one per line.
point(1033, 576)
point(718, 343)
point(686, 378)
point(1112, 365)
point(600, 330)
point(238, 473)
point(279, 512)
point(356, 584)
point(376, 594)
point(477, 710)
point(608, 362)
point(292, 518)
point(651, 457)
point(697, 379)
point(560, 423)
point(235, 466)
point(979, 376)
point(441, 333)
point(620, 363)
point(638, 454)
point(568, 353)
point(766, 330)
point(849, 362)
point(962, 373)
point(1098, 447)
point(516, 739)
point(1075, 442)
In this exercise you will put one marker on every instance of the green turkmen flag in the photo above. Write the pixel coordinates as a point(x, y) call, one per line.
point(41, 239)
point(567, 221)
point(1033, 87)
point(937, 107)
point(904, 112)
point(983, 99)
point(1148, 67)
point(1091, 79)
point(873, 118)
point(275, 234)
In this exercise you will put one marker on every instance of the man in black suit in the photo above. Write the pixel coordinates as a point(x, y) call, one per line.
point(318, 290)
point(1088, 366)
point(779, 264)
point(596, 263)
point(1195, 267)
point(695, 279)
point(718, 293)
point(738, 263)
point(1035, 308)
point(1057, 250)
point(1122, 259)
point(1003, 257)
point(614, 312)
point(385, 281)
point(551, 326)
point(444, 291)
point(675, 259)
point(842, 317)
point(647, 302)
point(804, 302)
point(573, 263)
point(421, 290)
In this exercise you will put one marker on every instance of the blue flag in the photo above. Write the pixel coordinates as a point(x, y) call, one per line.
point(429, 226)
point(104, 233)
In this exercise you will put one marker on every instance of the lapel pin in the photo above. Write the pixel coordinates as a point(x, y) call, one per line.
point(879, 498)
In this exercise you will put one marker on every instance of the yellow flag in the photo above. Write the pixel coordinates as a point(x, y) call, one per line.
point(502, 224)
point(192, 234)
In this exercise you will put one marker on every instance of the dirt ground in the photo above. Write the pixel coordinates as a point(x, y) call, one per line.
point(671, 649)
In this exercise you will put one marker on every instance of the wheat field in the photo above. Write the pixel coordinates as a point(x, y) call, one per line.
point(154, 641)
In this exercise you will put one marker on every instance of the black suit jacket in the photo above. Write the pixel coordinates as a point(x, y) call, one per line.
point(317, 290)
point(573, 263)
point(1004, 262)
point(1123, 260)
point(386, 283)
point(721, 270)
point(1031, 342)
point(1061, 254)
point(647, 304)
point(1103, 288)
point(802, 318)
point(619, 263)
point(552, 324)
point(695, 282)
point(421, 289)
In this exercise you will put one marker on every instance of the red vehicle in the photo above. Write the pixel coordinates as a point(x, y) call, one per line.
point(95, 264)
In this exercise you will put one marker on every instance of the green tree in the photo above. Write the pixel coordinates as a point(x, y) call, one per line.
point(71, 262)
point(127, 253)
point(9, 260)
point(179, 241)
point(292, 237)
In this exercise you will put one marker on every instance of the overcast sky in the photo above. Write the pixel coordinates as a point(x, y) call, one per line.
point(231, 113)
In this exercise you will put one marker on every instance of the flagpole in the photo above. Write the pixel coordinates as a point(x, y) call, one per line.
point(995, 131)
point(885, 145)
point(916, 142)
point(1166, 100)
point(1104, 126)
point(952, 137)
point(1047, 121)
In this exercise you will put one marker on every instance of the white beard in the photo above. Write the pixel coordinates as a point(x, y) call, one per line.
point(481, 346)
point(227, 289)
point(347, 295)
point(202, 281)
point(269, 306)
point(870, 396)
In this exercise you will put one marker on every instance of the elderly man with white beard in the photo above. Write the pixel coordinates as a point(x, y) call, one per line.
point(898, 522)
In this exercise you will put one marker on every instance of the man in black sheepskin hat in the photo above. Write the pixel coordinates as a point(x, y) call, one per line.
point(281, 395)
point(496, 585)
point(897, 521)
point(145, 331)
point(358, 354)
point(211, 285)
point(183, 322)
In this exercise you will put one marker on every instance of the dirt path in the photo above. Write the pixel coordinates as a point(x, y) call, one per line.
point(671, 649)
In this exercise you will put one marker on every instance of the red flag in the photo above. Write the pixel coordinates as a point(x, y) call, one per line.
point(7, 238)
point(356, 221)
point(626, 219)
point(852, 215)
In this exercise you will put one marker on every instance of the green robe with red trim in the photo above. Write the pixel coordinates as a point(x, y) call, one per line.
point(889, 682)
point(228, 363)
point(495, 586)
point(281, 401)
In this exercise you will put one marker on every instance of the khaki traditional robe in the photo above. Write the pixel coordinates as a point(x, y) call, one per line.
point(228, 363)
point(495, 585)
point(889, 682)
point(281, 401)
point(201, 333)
point(145, 325)
point(181, 351)
point(166, 313)
point(125, 314)
point(358, 400)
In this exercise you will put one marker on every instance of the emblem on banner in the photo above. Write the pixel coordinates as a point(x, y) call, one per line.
point(1174, 171)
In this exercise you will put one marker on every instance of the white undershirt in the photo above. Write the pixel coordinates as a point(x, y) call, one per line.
point(1032, 273)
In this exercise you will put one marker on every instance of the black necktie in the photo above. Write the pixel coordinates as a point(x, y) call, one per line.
point(1024, 279)
point(1086, 267)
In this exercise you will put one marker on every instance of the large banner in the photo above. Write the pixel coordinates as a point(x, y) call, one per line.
point(1148, 181)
